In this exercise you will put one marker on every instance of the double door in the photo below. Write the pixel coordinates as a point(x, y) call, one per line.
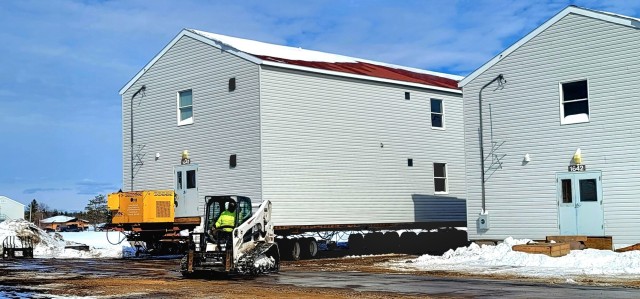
point(580, 209)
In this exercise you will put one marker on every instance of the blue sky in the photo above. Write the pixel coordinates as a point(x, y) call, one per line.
point(62, 64)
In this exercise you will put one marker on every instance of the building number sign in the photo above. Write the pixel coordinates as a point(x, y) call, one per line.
point(577, 167)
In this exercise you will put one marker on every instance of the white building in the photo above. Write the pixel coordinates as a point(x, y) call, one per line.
point(560, 144)
point(10, 209)
point(329, 139)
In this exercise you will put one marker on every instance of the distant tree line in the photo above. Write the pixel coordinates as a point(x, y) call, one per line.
point(95, 212)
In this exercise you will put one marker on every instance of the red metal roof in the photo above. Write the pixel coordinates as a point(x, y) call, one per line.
point(372, 70)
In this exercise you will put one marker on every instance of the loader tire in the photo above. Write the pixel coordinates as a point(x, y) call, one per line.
point(391, 242)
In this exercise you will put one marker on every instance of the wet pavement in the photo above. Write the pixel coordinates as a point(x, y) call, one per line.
point(44, 278)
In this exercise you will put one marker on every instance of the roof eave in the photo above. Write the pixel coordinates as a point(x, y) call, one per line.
point(570, 9)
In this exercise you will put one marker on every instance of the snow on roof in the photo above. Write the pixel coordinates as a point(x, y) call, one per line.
point(57, 219)
point(286, 55)
point(4, 198)
point(595, 14)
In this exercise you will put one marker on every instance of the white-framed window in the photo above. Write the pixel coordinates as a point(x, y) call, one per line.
point(440, 183)
point(437, 114)
point(574, 102)
point(185, 107)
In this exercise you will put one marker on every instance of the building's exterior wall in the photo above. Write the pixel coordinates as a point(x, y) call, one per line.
point(521, 197)
point(335, 150)
point(225, 122)
point(10, 209)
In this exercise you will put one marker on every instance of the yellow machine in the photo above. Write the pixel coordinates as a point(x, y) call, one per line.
point(152, 206)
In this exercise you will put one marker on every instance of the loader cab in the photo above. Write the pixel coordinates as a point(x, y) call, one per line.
point(218, 204)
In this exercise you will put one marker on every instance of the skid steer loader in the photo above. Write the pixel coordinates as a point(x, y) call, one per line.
point(248, 249)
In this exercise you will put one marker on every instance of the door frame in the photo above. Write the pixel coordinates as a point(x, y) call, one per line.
point(576, 198)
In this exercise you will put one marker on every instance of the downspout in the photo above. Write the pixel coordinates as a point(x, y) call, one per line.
point(501, 81)
point(142, 89)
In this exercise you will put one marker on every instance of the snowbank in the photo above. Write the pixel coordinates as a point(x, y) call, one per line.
point(501, 259)
point(52, 245)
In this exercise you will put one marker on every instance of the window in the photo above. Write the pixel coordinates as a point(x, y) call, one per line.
point(410, 162)
point(574, 107)
point(440, 177)
point(179, 180)
point(588, 190)
point(437, 114)
point(185, 107)
point(567, 196)
point(191, 179)
point(232, 84)
point(232, 161)
point(407, 95)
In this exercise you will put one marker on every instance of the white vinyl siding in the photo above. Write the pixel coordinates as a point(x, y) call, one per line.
point(227, 122)
point(335, 150)
point(521, 198)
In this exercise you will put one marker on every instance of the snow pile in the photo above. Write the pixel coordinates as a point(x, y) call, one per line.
point(501, 259)
point(53, 245)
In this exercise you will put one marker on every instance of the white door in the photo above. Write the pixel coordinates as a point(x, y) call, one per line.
point(186, 182)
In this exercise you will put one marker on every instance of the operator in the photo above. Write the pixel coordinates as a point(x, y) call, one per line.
point(227, 218)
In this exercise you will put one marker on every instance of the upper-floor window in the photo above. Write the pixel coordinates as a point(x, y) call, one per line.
point(437, 114)
point(185, 107)
point(574, 102)
point(440, 178)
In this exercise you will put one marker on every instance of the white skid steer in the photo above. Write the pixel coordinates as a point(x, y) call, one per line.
point(246, 247)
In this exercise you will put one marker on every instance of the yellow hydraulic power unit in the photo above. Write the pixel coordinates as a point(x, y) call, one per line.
point(151, 206)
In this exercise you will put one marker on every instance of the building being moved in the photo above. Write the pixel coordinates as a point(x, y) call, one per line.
point(559, 113)
point(329, 139)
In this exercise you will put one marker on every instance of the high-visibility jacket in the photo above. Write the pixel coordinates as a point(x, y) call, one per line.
point(227, 218)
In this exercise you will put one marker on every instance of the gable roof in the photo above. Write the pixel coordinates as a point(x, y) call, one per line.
point(58, 219)
point(314, 61)
point(596, 14)
point(4, 198)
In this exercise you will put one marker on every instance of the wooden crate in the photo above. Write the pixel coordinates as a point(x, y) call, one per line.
point(603, 243)
point(566, 239)
point(550, 249)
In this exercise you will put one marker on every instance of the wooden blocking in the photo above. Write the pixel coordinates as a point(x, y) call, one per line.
point(566, 239)
point(603, 243)
point(550, 249)
point(629, 248)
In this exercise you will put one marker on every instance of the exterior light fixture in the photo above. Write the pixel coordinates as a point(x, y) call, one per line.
point(577, 157)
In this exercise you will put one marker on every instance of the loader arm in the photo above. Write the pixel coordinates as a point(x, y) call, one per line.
point(257, 229)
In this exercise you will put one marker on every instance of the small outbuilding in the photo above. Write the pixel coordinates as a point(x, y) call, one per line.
point(10, 209)
point(61, 223)
point(557, 114)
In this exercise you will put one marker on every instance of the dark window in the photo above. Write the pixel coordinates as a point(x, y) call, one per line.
point(440, 177)
point(232, 161)
point(588, 190)
point(437, 114)
point(191, 179)
point(410, 162)
point(232, 84)
point(407, 96)
point(567, 196)
point(179, 180)
point(575, 100)
point(244, 209)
